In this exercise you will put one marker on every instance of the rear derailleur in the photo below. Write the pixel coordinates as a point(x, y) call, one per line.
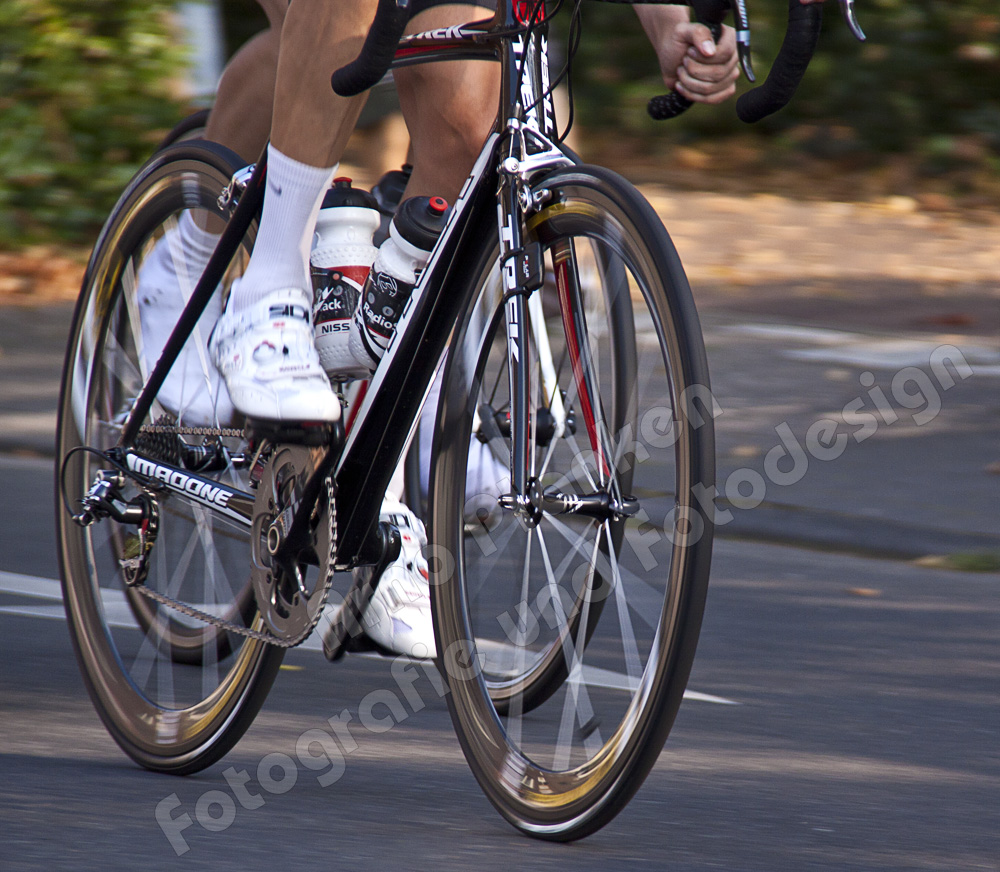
point(105, 500)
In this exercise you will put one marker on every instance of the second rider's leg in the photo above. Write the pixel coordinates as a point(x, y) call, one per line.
point(449, 109)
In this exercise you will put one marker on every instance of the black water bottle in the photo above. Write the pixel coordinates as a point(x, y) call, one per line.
point(401, 258)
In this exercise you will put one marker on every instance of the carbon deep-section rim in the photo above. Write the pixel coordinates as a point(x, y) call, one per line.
point(175, 693)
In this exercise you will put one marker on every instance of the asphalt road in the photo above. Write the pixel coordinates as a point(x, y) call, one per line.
point(865, 735)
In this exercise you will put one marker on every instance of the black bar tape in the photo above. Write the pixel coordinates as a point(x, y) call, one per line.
point(376, 54)
point(665, 106)
point(804, 23)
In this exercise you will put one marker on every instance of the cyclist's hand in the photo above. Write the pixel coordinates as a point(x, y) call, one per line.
point(690, 60)
point(698, 68)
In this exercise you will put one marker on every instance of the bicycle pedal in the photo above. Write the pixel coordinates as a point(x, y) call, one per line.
point(312, 433)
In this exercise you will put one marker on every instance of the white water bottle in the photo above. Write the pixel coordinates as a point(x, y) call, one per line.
point(414, 230)
point(341, 258)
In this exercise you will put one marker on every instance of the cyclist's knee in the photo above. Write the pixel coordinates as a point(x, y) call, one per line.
point(449, 108)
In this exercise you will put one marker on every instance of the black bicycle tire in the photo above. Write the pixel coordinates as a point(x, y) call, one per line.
point(508, 778)
point(208, 730)
point(191, 127)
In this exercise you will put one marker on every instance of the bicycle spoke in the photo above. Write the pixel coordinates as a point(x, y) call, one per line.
point(153, 638)
point(209, 647)
point(132, 309)
point(123, 371)
point(576, 706)
point(645, 600)
point(633, 666)
point(520, 655)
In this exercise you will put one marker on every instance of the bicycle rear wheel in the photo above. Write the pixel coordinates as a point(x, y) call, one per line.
point(566, 630)
point(175, 693)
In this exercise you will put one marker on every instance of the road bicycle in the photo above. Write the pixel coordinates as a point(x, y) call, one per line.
point(567, 603)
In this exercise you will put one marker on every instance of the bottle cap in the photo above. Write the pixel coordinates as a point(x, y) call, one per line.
point(420, 220)
point(342, 194)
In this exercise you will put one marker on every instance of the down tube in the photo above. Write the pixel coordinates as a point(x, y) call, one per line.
point(377, 440)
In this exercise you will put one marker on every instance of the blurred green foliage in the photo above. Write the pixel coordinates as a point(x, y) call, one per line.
point(927, 80)
point(85, 94)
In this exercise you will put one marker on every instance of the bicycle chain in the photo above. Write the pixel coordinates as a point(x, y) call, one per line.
point(173, 429)
point(249, 632)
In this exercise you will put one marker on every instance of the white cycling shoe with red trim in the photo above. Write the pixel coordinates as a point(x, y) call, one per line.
point(398, 616)
point(266, 355)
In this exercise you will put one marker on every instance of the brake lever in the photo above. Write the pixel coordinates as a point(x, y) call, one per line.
point(847, 8)
point(742, 23)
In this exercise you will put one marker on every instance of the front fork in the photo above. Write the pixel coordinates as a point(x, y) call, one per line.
point(523, 273)
point(518, 349)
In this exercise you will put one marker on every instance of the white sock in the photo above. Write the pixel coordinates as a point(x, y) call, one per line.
point(281, 253)
point(198, 242)
point(186, 251)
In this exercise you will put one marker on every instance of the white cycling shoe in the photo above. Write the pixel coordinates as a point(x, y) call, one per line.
point(266, 356)
point(193, 391)
point(398, 616)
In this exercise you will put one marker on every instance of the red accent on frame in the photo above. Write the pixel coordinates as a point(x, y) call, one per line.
point(562, 286)
point(411, 50)
point(362, 390)
point(524, 8)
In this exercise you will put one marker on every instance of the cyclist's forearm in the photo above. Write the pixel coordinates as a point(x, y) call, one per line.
point(659, 21)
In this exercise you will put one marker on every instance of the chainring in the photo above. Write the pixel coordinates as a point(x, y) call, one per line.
point(291, 584)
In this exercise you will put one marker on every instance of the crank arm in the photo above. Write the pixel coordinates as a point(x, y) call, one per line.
point(345, 624)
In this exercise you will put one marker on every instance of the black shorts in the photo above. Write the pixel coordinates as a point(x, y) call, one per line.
point(417, 6)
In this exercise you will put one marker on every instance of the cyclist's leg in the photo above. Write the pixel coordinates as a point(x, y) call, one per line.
point(449, 108)
point(270, 311)
point(240, 118)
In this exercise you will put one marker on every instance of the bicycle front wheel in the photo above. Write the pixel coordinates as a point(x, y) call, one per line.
point(175, 692)
point(566, 627)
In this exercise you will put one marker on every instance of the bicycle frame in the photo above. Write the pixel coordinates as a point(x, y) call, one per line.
point(387, 417)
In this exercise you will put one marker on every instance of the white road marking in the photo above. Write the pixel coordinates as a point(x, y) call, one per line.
point(880, 352)
point(118, 614)
point(791, 332)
